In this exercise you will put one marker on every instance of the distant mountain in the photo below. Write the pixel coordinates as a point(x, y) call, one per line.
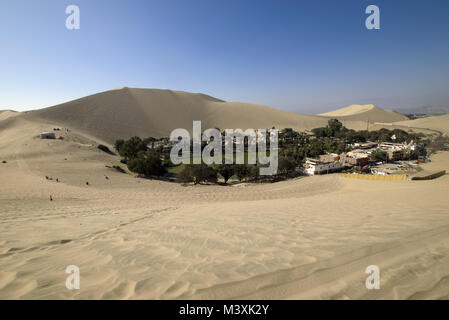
point(429, 110)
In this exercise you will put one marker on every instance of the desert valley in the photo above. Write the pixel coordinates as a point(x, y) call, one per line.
point(310, 237)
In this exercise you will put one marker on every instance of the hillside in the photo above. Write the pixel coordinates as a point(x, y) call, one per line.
point(440, 123)
point(5, 114)
point(428, 110)
point(368, 112)
point(126, 112)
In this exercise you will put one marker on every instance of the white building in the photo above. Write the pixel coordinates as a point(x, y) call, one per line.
point(314, 166)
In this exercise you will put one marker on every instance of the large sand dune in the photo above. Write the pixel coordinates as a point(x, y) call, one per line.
point(368, 112)
point(126, 112)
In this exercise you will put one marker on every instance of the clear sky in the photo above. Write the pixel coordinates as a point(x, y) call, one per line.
point(304, 56)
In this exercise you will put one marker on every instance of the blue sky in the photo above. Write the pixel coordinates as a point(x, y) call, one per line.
point(303, 56)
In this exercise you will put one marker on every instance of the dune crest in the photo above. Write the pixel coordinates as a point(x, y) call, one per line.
point(5, 114)
point(350, 110)
point(122, 113)
point(126, 112)
point(367, 112)
point(440, 123)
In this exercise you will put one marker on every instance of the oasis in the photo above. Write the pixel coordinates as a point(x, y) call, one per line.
point(212, 152)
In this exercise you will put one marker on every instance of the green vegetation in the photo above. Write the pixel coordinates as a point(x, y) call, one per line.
point(151, 156)
point(379, 155)
point(286, 165)
point(336, 138)
point(118, 144)
point(176, 169)
point(139, 159)
point(243, 171)
point(225, 170)
point(147, 163)
point(155, 162)
point(198, 173)
point(335, 129)
point(130, 148)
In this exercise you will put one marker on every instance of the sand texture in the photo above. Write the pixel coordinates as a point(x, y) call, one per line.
point(136, 238)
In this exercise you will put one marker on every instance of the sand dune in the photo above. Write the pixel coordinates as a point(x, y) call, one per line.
point(440, 123)
point(136, 238)
point(125, 112)
point(368, 112)
point(349, 110)
point(133, 238)
point(318, 280)
point(5, 114)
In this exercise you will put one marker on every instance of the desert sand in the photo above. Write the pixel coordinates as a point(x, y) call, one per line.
point(134, 238)
point(368, 112)
point(440, 123)
point(125, 112)
point(5, 114)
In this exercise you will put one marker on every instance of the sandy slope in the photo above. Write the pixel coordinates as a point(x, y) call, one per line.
point(125, 112)
point(368, 112)
point(5, 114)
point(440, 123)
point(136, 238)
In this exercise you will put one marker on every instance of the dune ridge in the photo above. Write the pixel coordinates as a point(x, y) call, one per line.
point(367, 112)
point(440, 123)
point(5, 114)
point(141, 239)
point(125, 112)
